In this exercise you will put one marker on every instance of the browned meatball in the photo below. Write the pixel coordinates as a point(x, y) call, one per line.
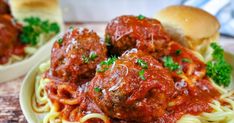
point(126, 32)
point(76, 55)
point(9, 32)
point(4, 8)
point(134, 87)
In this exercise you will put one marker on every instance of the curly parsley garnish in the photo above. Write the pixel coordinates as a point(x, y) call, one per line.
point(34, 27)
point(169, 63)
point(217, 68)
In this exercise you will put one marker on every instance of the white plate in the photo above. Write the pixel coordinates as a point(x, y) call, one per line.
point(27, 91)
point(11, 71)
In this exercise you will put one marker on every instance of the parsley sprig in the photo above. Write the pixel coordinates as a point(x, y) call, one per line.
point(170, 64)
point(217, 68)
point(34, 27)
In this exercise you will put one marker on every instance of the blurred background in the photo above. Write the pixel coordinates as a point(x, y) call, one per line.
point(105, 10)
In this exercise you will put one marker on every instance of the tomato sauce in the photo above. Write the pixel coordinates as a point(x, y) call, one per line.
point(192, 95)
point(9, 41)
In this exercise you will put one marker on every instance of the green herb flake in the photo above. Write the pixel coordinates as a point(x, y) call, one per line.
point(85, 59)
point(108, 40)
point(179, 72)
point(178, 52)
point(186, 60)
point(141, 74)
point(34, 27)
point(109, 61)
point(142, 63)
point(217, 68)
point(97, 89)
point(93, 56)
point(140, 17)
point(60, 41)
point(169, 63)
point(103, 66)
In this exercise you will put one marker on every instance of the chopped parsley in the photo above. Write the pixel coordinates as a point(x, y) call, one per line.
point(93, 56)
point(217, 68)
point(105, 64)
point(186, 60)
point(97, 89)
point(108, 40)
point(60, 41)
point(85, 59)
point(34, 28)
point(141, 74)
point(179, 71)
point(142, 63)
point(140, 17)
point(169, 63)
point(178, 52)
point(109, 61)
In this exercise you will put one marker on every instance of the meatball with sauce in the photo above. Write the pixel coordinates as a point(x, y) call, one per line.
point(9, 32)
point(126, 32)
point(4, 8)
point(76, 55)
point(134, 87)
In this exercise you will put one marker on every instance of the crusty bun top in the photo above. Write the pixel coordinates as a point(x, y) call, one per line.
point(43, 5)
point(44, 9)
point(195, 23)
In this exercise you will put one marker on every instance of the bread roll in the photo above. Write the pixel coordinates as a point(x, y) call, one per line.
point(44, 9)
point(192, 27)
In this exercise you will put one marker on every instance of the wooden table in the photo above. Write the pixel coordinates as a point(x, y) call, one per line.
point(10, 111)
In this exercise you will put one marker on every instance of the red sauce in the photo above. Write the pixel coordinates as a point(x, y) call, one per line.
point(128, 32)
point(9, 41)
point(164, 95)
point(189, 97)
point(4, 7)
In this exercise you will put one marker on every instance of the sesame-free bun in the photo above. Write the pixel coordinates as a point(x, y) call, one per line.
point(44, 9)
point(192, 27)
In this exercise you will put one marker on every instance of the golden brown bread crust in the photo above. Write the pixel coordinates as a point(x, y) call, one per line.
point(47, 5)
point(192, 27)
point(44, 9)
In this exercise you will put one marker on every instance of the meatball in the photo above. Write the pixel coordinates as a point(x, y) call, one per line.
point(4, 8)
point(9, 32)
point(134, 87)
point(76, 55)
point(126, 32)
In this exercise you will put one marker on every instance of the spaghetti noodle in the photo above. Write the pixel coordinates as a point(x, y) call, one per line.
point(169, 85)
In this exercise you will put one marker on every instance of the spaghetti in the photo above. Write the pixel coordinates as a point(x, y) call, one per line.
point(168, 85)
point(223, 108)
